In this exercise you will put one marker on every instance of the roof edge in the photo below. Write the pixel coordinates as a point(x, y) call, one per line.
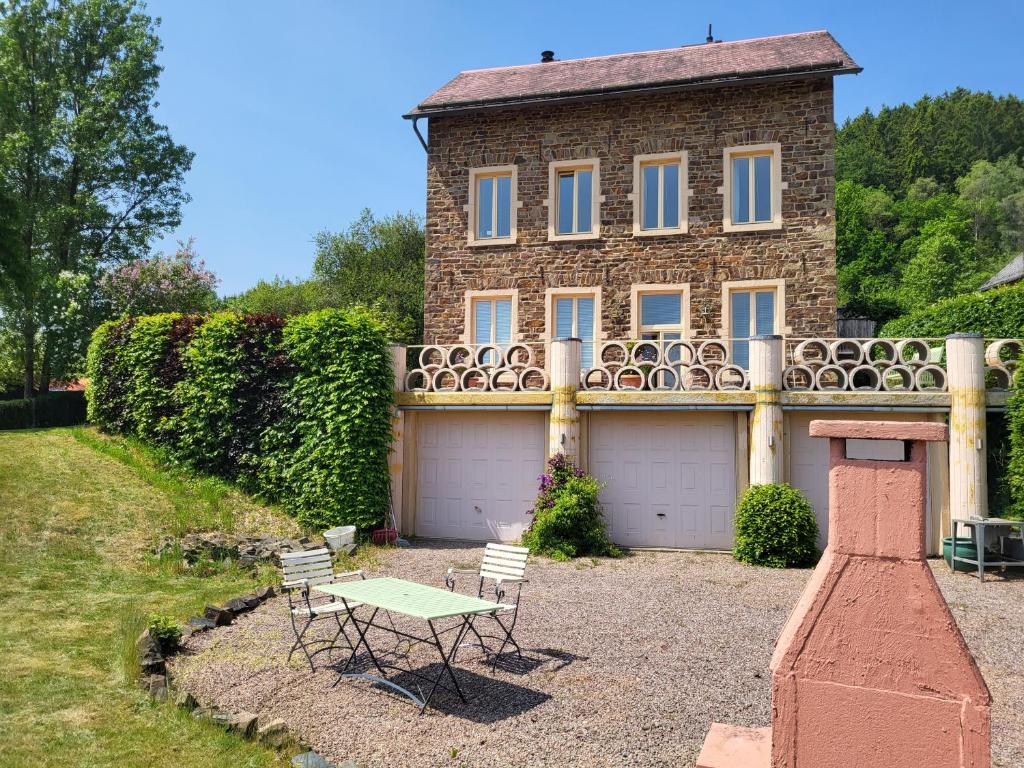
point(831, 69)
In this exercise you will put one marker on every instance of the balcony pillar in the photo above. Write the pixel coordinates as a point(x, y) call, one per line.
point(766, 457)
point(397, 452)
point(564, 424)
point(965, 372)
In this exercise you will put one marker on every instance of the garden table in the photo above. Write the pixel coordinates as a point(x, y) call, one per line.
point(419, 601)
point(978, 526)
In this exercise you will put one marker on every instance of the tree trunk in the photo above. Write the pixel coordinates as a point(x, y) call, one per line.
point(29, 337)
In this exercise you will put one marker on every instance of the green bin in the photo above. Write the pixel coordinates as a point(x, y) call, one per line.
point(964, 548)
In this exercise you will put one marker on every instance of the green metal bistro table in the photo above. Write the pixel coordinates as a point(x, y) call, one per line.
point(431, 604)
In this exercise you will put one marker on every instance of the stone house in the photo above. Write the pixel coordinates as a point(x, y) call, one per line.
point(681, 193)
point(631, 261)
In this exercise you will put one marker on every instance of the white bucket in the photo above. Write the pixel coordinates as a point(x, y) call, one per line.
point(340, 537)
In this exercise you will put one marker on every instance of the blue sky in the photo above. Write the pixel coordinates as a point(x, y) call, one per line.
point(294, 108)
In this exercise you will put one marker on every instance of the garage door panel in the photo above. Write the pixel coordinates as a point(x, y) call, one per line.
point(477, 473)
point(663, 474)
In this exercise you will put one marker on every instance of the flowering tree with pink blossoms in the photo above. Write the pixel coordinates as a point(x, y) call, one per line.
point(178, 282)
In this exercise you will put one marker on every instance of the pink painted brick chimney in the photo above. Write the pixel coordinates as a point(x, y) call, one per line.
point(871, 670)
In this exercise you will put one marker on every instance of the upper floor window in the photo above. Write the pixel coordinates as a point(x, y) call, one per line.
point(575, 200)
point(660, 194)
point(753, 188)
point(492, 205)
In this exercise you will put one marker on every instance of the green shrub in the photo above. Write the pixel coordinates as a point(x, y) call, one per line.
point(146, 395)
point(333, 445)
point(567, 519)
point(775, 526)
point(1014, 477)
point(299, 412)
point(107, 378)
point(166, 631)
point(998, 313)
point(15, 414)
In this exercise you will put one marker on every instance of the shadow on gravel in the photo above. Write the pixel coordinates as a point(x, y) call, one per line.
point(490, 700)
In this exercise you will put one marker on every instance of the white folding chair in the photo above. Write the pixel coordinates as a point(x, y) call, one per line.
point(302, 571)
point(504, 565)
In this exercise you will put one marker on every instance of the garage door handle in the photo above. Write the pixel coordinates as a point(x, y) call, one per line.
point(661, 514)
point(477, 510)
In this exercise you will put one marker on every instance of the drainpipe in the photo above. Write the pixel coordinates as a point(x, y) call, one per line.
point(766, 465)
point(416, 130)
point(965, 372)
point(564, 423)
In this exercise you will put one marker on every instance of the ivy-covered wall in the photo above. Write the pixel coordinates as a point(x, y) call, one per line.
point(297, 410)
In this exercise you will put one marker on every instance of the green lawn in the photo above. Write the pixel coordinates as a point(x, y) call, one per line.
point(79, 513)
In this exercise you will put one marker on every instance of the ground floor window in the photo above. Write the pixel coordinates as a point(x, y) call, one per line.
point(752, 313)
point(575, 316)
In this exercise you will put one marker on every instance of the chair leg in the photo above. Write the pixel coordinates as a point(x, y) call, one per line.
point(300, 644)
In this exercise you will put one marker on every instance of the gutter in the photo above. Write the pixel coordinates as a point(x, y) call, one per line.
point(481, 407)
point(598, 94)
point(649, 407)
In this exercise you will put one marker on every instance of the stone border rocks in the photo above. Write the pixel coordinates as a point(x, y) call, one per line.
point(247, 550)
point(155, 680)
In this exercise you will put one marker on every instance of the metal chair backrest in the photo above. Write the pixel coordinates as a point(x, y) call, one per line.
point(503, 562)
point(307, 569)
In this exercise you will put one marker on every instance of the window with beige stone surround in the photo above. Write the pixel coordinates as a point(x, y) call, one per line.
point(574, 199)
point(752, 308)
point(752, 193)
point(493, 205)
point(576, 313)
point(660, 194)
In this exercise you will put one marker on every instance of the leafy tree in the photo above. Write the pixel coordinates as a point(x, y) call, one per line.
point(279, 297)
point(377, 262)
point(938, 137)
point(176, 283)
point(866, 256)
point(94, 175)
point(994, 192)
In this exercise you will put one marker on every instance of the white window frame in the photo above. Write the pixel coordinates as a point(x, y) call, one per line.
point(774, 150)
point(730, 287)
point(469, 332)
point(556, 167)
point(637, 195)
point(492, 171)
point(639, 290)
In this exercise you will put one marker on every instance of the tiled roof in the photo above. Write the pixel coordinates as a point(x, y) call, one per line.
point(687, 66)
point(1011, 273)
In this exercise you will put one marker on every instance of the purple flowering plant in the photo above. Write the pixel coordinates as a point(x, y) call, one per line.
point(560, 469)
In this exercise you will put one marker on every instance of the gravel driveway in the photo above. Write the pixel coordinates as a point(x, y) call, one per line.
point(627, 664)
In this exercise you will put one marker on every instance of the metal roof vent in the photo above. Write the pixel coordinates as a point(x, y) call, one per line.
point(546, 57)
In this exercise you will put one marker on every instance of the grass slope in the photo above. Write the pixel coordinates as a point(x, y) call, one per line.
point(79, 514)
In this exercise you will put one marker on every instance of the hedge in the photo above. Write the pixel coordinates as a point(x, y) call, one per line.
point(297, 410)
point(997, 313)
point(1013, 481)
point(55, 409)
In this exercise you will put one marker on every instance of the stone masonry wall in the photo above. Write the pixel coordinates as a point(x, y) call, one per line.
point(798, 115)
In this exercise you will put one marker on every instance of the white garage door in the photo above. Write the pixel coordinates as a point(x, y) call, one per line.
point(808, 457)
point(477, 473)
point(670, 477)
